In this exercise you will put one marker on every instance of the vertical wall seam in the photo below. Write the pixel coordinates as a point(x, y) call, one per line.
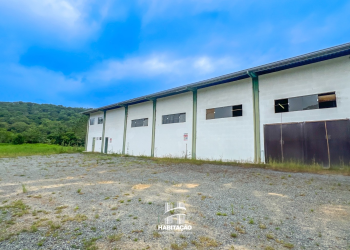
point(125, 126)
point(103, 131)
point(194, 124)
point(154, 126)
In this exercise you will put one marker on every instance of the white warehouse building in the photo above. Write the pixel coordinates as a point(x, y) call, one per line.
point(296, 109)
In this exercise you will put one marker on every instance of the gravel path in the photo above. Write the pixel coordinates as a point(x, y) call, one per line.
point(91, 201)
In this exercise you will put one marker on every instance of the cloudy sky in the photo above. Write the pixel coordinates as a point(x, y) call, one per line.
point(90, 53)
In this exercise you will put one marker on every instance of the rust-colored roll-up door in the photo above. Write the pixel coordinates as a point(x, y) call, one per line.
point(319, 142)
point(339, 142)
point(316, 150)
point(293, 142)
point(272, 142)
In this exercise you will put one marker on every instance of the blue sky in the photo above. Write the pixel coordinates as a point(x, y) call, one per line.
point(93, 53)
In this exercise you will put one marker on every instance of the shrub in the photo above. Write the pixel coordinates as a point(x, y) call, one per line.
point(19, 139)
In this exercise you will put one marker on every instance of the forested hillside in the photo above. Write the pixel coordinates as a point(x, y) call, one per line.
point(23, 122)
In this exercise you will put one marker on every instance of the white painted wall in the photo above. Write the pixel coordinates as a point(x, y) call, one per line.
point(95, 131)
point(229, 138)
point(326, 76)
point(114, 129)
point(139, 139)
point(169, 140)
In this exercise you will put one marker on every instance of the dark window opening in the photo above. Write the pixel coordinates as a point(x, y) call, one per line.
point(281, 106)
point(139, 122)
point(100, 120)
point(327, 100)
point(223, 112)
point(174, 118)
point(237, 110)
point(308, 102)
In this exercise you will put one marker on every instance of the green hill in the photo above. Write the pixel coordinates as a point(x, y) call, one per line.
point(41, 123)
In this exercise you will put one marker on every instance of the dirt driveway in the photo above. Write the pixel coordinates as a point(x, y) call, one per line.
point(86, 201)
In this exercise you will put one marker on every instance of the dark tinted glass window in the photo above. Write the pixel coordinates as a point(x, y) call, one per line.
point(92, 121)
point(174, 118)
point(139, 122)
point(223, 112)
point(307, 102)
point(100, 120)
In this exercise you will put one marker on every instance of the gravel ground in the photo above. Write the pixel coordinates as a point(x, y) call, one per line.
point(91, 201)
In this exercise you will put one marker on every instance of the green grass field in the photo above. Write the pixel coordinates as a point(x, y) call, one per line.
point(10, 150)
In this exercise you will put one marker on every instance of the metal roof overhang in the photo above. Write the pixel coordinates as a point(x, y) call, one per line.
point(313, 57)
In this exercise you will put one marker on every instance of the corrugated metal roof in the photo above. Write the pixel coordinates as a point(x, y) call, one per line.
point(297, 61)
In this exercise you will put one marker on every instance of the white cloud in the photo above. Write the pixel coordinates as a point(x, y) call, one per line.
point(186, 69)
point(61, 20)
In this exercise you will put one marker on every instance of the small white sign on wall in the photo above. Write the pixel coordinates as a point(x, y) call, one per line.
point(185, 136)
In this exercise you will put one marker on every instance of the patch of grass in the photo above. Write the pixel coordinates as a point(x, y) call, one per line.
point(79, 191)
point(41, 242)
point(11, 150)
point(61, 207)
point(107, 198)
point(269, 248)
point(24, 189)
point(262, 226)
point(240, 230)
point(115, 237)
point(288, 245)
point(77, 218)
point(285, 166)
point(221, 214)
point(156, 234)
point(90, 244)
point(97, 216)
point(38, 196)
point(17, 208)
point(233, 235)
point(208, 242)
point(175, 246)
point(251, 221)
point(270, 236)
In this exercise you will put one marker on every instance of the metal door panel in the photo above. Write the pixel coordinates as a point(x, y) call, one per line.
point(339, 141)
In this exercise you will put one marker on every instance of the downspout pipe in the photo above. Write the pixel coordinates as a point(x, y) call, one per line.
point(125, 127)
point(103, 131)
point(256, 115)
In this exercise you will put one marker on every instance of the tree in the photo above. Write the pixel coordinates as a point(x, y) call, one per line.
point(19, 139)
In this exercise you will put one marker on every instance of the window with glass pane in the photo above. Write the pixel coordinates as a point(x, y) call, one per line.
point(139, 122)
point(223, 112)
point(100, 120)
point(307, 102)
point(92, 121)
point(174, 118)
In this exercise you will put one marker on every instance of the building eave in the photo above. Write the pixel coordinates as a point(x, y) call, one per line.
point(309, 58)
